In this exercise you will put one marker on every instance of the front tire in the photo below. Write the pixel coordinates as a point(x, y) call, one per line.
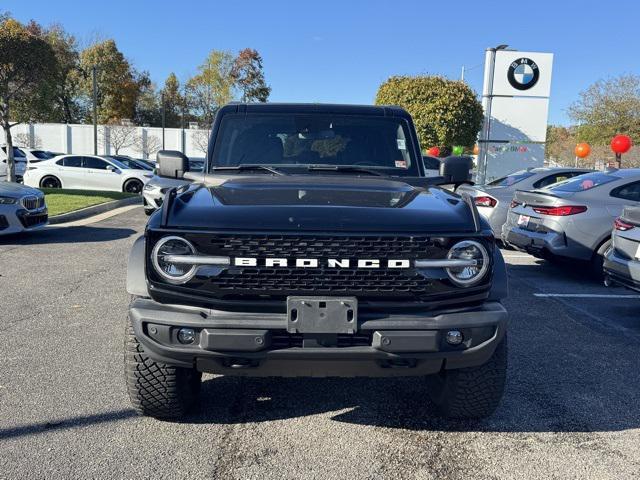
point(132, 186)
point(156, 389)
point(471, 393)
point(50, 182)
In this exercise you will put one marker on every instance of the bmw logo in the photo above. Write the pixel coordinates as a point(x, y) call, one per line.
point(523, 73)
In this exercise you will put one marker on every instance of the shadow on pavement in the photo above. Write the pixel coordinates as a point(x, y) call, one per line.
point(530, 403)
point(82, 421)
point(81, 234)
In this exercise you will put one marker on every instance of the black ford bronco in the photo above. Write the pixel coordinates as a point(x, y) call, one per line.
point(314, 245)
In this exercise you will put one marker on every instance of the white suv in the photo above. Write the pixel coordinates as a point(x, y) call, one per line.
point(20, 161)
point(21, 208)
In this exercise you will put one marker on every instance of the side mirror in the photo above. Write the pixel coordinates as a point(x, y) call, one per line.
point(111, 168)
point(172, 164)
point(456, 170)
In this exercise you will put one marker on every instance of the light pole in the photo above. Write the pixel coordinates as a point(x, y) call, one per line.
point(465, 69)
point(487, 99)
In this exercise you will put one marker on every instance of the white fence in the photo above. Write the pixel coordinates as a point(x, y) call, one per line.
point(142, 142)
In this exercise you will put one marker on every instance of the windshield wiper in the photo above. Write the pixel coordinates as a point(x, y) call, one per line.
point(344, 168)
point(242, 167)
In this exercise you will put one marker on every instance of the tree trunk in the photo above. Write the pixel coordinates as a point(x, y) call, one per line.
point(11, 164)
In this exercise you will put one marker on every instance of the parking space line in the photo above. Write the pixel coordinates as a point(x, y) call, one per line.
point(582, 295)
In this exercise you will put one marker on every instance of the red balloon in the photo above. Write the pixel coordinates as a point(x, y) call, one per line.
point(620, 144)
point(434, 151)
point(582, 150)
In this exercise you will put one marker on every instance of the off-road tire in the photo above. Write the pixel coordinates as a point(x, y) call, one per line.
point(470, 393)
point(155, 389)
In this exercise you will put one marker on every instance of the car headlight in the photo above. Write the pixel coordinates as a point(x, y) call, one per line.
point(148, 187)
point(468, 275)
point(7, 201)
point(173, 272)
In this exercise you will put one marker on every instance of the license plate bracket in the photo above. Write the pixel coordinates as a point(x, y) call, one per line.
point(523, 220)
point(322, 314)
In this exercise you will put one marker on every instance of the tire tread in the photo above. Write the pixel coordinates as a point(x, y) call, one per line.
point(156, 389)
point(471, 392)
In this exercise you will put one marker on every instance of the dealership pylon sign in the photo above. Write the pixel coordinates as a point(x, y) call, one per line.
point(515, 98)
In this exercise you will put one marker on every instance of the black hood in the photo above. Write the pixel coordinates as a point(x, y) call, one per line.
point(327, 203)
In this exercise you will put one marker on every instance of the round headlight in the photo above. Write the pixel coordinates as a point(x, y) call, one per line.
point(173, 272)
point(467, 275)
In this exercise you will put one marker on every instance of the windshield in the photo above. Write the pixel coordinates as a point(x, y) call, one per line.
point(297, 141)
point(42, 155)
point(511, 179)
point(17, 153)
point(117, 163)
point(582, 183)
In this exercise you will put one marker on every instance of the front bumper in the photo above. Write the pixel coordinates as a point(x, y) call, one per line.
point(152, 199)
point(621, 271)
point(15, 219)
point(254, 344)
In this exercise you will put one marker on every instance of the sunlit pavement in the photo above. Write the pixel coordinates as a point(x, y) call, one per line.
point(570, 410)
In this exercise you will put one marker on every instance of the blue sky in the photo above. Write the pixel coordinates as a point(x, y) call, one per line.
point(340, 51)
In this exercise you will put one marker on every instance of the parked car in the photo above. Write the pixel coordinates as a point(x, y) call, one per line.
point(21, 208)
point(20, 162)
point(154, 191)
point(280, 262)
point(494, 198)
point(622, 259)
point(572, 219)
point(130, 162)
point(86, 172)
point(431, 166)
point(34, 155)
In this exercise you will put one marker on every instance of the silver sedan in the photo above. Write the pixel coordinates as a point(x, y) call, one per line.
point(494, 198)
point(572, 219)
point(622, 260)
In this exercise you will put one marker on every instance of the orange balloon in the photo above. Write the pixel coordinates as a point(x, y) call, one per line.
point(582, 150)
point(476, 149)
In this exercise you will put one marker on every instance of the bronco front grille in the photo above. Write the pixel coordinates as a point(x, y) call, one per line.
point(318, 246)
point(367, 283)
point(257, 283)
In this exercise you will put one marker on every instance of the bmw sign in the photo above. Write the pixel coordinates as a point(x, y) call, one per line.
point(523, 73)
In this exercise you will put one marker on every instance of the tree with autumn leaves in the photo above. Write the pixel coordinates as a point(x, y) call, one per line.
point(27, 66)
point(123, 92)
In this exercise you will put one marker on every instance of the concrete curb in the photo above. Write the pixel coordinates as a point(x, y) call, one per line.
point(93, 210)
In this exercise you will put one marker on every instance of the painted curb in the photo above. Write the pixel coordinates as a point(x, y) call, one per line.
point(93, 210)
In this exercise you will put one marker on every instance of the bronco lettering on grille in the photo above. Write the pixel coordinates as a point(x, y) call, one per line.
point(316, 263)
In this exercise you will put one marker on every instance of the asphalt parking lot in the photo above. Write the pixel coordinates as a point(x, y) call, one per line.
point(570, 409)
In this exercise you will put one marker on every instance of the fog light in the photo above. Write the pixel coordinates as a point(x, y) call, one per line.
point(454, 337)
point(186, 335)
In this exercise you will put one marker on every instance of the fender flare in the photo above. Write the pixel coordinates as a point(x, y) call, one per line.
point(500, 282)
point(136, 278)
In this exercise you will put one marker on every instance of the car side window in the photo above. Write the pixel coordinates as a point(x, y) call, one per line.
point(630, 191)
point(70, 162)
point(555, 178)
point(92, 162)
point(431, 163)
